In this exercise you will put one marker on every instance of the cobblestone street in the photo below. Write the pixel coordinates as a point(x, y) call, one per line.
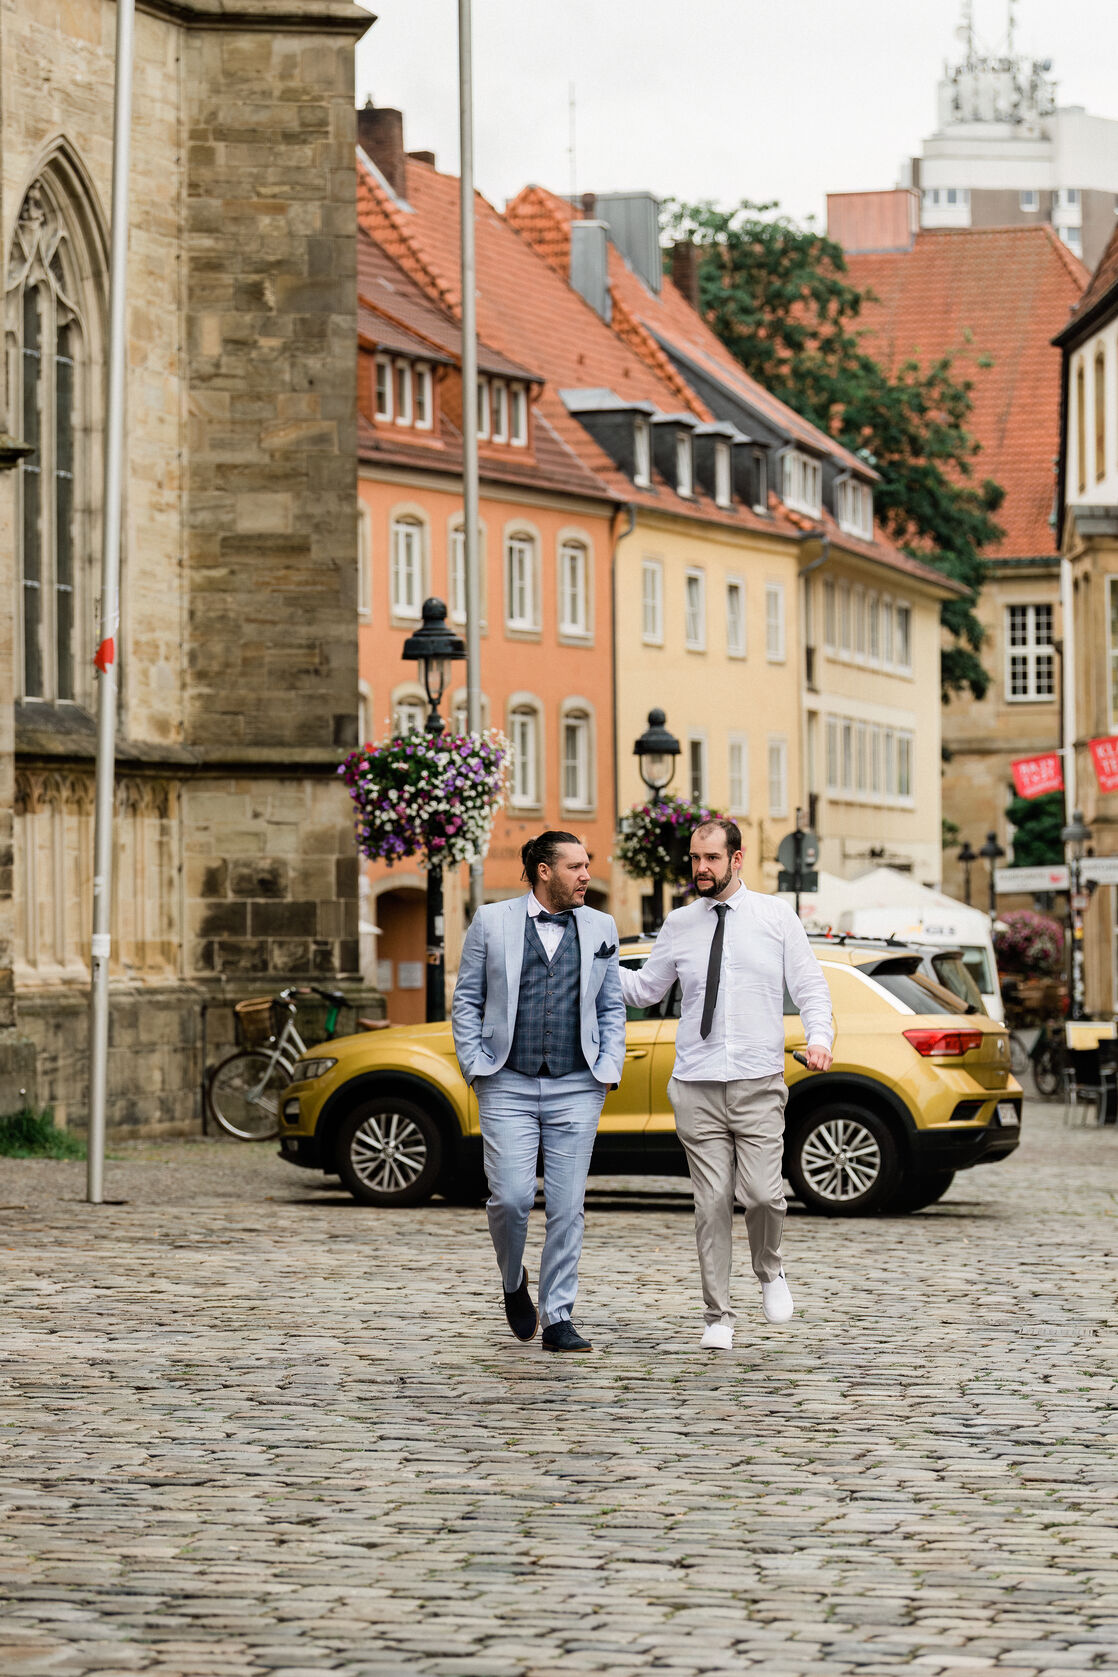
point(250, 1427)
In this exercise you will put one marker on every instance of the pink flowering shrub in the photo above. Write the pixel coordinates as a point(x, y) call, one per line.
point(655, 837)
point(429, 795)
point(1031, 944)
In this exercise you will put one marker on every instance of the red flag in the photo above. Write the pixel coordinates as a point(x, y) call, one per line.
point(1104, 755)
point(1034, 776)
point(105, 655)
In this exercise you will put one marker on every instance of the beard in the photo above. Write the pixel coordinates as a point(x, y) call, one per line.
point(712, 888)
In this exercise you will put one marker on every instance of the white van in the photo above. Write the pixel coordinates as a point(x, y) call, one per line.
point(951, 926)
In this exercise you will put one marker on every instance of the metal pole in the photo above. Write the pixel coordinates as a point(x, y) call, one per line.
point(109, 647)
point(469, 402)
point(436, 947)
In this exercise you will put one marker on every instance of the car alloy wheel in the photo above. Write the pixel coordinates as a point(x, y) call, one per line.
point(389, 1152)
point(843, 1160)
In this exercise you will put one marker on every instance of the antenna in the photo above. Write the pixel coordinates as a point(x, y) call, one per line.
point(1011, 32)
point(571, 156)
point(965, 31)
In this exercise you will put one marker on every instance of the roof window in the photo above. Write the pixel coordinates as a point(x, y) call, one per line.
point(802, 483)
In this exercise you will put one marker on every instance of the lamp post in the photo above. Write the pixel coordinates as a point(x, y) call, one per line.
point(1075, 838)
point(967, 856)
point(434, 648)
point(656, 752)
point(992, 852)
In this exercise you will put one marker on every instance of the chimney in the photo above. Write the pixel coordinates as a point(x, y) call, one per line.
point(590, 265)
point(685, 270)
point(423, 157)
point(874, 221)
point(589, 206)
point(380, 134)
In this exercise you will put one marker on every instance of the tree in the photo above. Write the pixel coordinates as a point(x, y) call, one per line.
point(1037, 823)
point(778, 296)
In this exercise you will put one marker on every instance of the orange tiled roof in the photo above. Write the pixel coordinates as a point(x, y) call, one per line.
point(991, 297)
point(1103, 280)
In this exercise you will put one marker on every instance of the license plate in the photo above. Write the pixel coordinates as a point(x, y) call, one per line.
point(1007, 1115)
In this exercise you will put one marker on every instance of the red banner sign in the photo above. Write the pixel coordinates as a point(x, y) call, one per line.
point(1034, 776)
point(1104, 755)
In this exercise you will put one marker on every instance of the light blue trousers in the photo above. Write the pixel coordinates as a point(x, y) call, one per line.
point(520, 1117)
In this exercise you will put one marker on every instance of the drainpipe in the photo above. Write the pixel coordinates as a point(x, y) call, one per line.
point(630, 512)
point(816, 564)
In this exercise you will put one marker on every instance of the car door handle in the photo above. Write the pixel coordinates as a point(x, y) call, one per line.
point(636, 1053)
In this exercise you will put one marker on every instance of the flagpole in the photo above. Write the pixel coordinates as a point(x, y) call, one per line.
point(108, 651)
point(469, 400)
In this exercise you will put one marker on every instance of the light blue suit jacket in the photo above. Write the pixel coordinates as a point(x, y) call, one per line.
point(486, 995)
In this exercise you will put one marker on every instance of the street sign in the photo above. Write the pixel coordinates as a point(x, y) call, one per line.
point(1102, 869)
point(1031, 879)
point(800, 849)
point(797, 882)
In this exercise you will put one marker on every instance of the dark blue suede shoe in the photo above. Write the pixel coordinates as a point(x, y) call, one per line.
point(523, 1317)
point(564, 1336)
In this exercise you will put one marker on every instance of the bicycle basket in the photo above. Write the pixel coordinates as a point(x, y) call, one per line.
point(255, 1021)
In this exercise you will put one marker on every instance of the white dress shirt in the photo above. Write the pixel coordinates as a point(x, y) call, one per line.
point(765, 947)
point(550, 936)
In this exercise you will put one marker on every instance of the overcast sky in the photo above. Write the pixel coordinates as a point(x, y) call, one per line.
point(722, 99)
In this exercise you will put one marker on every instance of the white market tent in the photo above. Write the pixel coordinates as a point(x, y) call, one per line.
point(898, 903)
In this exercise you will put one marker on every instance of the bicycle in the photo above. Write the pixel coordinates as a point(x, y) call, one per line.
point(243, 1091)
point(1049, 1060)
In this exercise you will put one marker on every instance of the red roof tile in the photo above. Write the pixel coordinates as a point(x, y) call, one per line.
point(1103, 280)
point(991, 298)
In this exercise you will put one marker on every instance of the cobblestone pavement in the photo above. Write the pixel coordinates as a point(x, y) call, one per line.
point(249, 1427)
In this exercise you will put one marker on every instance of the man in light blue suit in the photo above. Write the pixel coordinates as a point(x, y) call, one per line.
point(539, 1030)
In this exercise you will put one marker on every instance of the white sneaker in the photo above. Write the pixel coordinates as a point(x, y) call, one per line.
point(718, 1336)
point(776, 1300)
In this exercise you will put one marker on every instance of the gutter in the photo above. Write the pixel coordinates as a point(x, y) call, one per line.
point(627, 508)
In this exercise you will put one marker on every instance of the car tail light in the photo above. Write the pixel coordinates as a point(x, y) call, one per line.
point(931, 1040)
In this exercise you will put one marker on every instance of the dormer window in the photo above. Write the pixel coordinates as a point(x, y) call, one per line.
point(722, 475)
point(518, 408)
point(803, 483)
point(403, 393)
point(854, 508)
point(499, 408)
point(683, 479)
point(384, 387)
point(642, 453)
point(424, 406)
point(482, 409)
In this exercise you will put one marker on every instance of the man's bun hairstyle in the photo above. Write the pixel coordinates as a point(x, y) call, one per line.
point(543, 852)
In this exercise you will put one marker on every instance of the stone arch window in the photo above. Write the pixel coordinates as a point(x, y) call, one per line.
point(55, 294)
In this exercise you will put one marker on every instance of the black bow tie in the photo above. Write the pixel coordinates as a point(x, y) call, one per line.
point(554, 919)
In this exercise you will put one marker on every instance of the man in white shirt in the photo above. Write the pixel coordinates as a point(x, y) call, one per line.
point(733, 951)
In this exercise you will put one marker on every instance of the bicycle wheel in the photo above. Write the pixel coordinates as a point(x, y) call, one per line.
point(243, 1093)
point(1018, 1054)
point(1048, 1071)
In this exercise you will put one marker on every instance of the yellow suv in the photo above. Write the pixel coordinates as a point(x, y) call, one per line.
point(920, 1088)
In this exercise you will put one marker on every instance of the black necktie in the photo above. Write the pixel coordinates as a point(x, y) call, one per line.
point(554, 919)
point(714, 971)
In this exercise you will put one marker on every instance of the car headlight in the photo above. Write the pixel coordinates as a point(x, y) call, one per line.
point(304, 1071)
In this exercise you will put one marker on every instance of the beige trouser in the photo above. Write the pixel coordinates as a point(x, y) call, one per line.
point(733, 1135)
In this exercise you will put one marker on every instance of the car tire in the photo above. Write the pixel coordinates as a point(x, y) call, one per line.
point(920, 1191)
point(842, 1160)
point(389, 1151)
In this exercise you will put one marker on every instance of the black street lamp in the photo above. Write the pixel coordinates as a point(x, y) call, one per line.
point(967, 856)
point(656, 752)
point(434, 648)
point(992, 852)
point(1075, 838)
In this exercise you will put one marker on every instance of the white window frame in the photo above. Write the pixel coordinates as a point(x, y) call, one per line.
point(410, 715)
point(738, 773)
point(575, 721)
point(723, 475)
point(522, 549)
point(499, 407)
point(698, 768)
point(830, 615)
point(695, 618)
point(777, 759)
point(424, 397)
point(364, 712)
point(854, 508)
point(873, 628)
point(518, 416)
point(903, 651)
point(684, 465)
point(736, 645)
point(859, 627)
point(576, 624)
point(364, 559)
point(402, 386)
point(383, 387)
point(525, 778)
point(1031, 651)
point(483, 410)
point(802, 483)
point(776, 639)
point(845, 646)
point(456, 573)
point(1028, 200)
point(652, 602)
point(642, 452)
point(407, 525)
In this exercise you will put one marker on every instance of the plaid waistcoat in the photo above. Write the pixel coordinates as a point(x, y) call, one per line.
point(548, 1013)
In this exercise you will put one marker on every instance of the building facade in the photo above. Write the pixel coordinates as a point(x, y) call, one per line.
point(237, 643)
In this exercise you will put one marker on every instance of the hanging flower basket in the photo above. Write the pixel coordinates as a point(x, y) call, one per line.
point(1031, 944)
point(655, 838)
point(428, 795)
